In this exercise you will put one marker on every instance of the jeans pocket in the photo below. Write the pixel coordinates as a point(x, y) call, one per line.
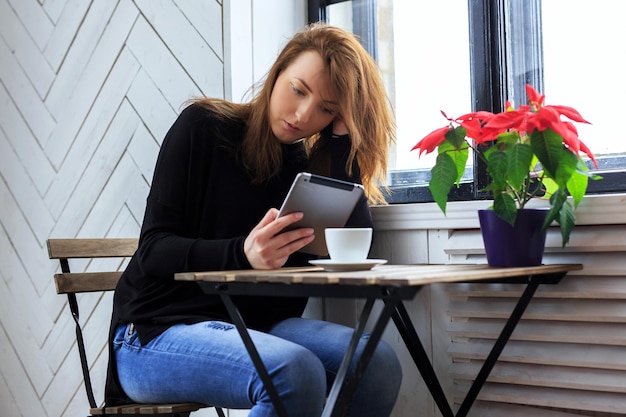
point(125, 334)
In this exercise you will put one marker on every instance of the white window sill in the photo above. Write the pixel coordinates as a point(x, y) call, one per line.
point(593, 210)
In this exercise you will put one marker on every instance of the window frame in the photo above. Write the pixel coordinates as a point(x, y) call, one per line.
point(492, 83)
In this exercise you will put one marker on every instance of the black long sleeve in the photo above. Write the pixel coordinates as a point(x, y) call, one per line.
point(201, 206)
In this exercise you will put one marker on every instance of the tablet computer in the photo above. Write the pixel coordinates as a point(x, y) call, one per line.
point(325, 202)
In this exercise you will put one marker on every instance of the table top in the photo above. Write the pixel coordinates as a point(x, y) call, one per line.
point(392, 275)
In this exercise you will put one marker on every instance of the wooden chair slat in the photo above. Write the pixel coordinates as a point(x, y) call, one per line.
point(92, 248)
point(77, 282)
point(147, 408)
point(178, 407)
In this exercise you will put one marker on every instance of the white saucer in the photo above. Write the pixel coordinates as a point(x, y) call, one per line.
point(333, 266)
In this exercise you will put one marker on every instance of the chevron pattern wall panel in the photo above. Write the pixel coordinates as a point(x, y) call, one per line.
point(88, 90)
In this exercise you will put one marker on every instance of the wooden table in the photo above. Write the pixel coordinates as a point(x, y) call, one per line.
point(392, 284)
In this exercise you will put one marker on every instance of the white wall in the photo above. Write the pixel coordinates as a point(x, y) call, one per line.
point(88, 89)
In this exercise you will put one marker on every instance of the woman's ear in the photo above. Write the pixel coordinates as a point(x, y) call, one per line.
point(339, 126)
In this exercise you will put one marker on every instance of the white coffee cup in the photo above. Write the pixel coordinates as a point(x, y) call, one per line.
point(348, 245)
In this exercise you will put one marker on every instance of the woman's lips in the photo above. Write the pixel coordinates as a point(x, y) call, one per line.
point(291, 127)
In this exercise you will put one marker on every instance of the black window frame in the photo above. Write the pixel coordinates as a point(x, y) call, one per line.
point(492, 63)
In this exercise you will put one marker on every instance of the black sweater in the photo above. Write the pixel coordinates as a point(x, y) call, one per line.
point(200, 209)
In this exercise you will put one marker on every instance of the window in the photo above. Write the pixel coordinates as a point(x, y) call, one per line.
point(583, 44)
point(423, 49)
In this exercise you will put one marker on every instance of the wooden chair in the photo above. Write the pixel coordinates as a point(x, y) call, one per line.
point(72, 283)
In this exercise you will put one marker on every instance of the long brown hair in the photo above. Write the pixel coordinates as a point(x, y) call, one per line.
point(363, 104)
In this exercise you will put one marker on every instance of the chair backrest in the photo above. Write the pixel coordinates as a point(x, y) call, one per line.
point(72, 283)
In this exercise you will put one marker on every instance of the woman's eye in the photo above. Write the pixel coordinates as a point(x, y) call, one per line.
point(297, 90)
point(329, 111)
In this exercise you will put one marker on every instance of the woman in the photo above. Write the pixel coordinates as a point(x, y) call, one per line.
point(222, 170)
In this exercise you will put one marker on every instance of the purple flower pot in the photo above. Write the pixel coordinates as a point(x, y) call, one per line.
point(519, 245)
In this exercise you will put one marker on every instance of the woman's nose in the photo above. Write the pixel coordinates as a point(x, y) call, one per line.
point(303, 113)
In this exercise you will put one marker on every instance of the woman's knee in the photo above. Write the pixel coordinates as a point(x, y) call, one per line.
point(386, 357)
point(300, 379)
point(305, 371)
point(384, 372)
point(378, 389)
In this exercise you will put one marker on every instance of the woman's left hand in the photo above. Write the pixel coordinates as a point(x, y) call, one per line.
point(268, 247)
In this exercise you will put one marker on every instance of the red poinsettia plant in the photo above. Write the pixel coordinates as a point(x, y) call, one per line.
point(530, 152)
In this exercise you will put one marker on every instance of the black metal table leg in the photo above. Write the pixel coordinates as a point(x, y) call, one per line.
point(333, 401)
point(344, 387)
point(254, 354)
point(416, 349)
point(420, 357)
point(498, 347)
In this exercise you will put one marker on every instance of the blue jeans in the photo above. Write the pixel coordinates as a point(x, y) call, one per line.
point(208, 363)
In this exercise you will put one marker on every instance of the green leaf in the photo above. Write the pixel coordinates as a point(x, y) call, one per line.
point(556, 202)
point(505, 208)
point(567, 221)
point(562, 212)
point(489, 151)
point(458, 154)
point(508, 137)
point(567, 166)
point(577, 184)
point(497, 166)
point(456, 137)
point(550, 186)
point(519, 159)
point(548, 146)
point(443, 177)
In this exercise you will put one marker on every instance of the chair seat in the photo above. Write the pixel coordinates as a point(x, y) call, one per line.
point(147, 409)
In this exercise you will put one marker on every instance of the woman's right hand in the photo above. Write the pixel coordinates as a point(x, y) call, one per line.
point(267, 248)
